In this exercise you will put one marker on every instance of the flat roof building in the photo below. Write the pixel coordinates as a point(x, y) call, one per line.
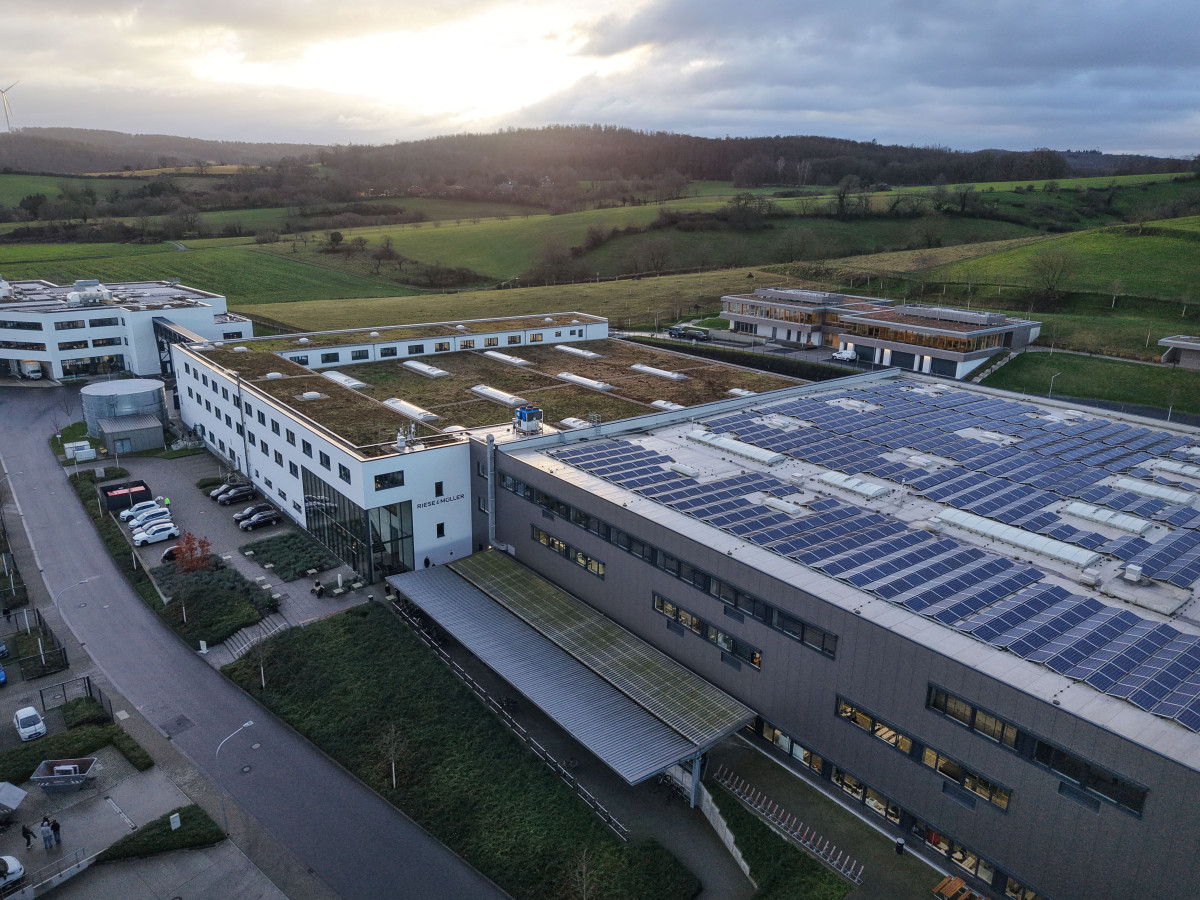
point(927, 339)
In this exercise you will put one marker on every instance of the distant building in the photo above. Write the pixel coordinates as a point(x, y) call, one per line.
point(931, 340)
point(1182, 350)
point(89, 328)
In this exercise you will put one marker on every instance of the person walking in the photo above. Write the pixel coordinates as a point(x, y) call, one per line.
point(57, 829)
point(47, 834)
point(27, 833)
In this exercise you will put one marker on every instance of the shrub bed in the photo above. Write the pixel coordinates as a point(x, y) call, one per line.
point(218, 602)
point(17, 763)
point(84, 711)
point(780, 870)
point(196, 829)
point(344, 681)
point(209, 482)
point(292, 554)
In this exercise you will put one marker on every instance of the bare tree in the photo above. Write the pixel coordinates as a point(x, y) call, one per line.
point(1050, 269)
point(261, 651)
point(657, 251)
point(391, 744)
point(1115, 288)
point(581, 876)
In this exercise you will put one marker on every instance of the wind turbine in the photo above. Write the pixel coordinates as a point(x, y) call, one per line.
point(4, 101)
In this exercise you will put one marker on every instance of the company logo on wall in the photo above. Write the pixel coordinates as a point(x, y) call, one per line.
point(429, 503)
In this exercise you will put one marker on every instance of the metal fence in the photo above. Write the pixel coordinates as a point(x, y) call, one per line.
point(51, 656)
point(432, 636)
point(57, 695)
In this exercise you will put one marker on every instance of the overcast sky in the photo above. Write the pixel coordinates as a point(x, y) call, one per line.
point(1114, 75)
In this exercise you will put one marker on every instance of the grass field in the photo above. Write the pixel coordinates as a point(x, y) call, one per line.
point(1102, 379)
point(14, 186)
point(624, 302)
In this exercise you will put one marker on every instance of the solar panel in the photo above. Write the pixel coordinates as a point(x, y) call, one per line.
point(1066, 650)
point(1009, 613)
point(1116, 659)
point(1026, 637)
point(983, 594)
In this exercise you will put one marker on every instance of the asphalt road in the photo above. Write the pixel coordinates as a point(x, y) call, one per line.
point(354, 841)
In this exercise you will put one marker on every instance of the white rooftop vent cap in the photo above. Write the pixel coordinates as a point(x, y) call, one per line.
point(548, 320)
point(374, 334)
point(309, 395)
point(574, 321)
point(219, 344)
point(461, 327)
point(241, 350)
point(272, 376)
point(303, 341)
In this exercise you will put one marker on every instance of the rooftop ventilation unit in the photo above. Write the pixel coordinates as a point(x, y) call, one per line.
point(742, 392)
point(411, 410)
point(1133, 573)
point(273, 376)
point(855, 485)
point(453, 429)
point(460, 327)
point(792, 509)
point(423, 369)
point(241, 349)
point(586, 382)
point(681, 469)
point(302, 341)
point(374, 334)
point(1157, 491)
point(576, 351)
point(505, 358)
point(491, 393)
point(667, 404)
point(1018, 537)
point(738, 448)
point(1179, 468)
point(572, 422)
point(311, 395)
point(1123, 521)
point(527, 420)
point(344, 380)
point(658, 373)
point(548, 320)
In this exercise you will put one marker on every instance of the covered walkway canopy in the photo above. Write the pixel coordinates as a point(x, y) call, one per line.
point(635, 708)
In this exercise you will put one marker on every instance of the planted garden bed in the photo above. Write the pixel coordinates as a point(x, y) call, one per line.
point(291, 555)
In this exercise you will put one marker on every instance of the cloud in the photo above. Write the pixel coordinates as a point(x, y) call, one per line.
point(1117, 75)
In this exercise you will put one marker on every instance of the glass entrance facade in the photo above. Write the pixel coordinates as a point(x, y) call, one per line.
point(374, 543)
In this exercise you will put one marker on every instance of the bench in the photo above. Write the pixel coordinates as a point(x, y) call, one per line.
point(311, 572)
point(337, 592)
point(268, 565)
point(248, 552)
point(356, 585)
point(948, 887)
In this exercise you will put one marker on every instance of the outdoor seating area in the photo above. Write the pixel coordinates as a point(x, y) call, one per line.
point(953, 888)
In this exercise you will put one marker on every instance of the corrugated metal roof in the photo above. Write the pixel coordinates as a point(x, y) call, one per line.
point(134, 422)
point(627, 738)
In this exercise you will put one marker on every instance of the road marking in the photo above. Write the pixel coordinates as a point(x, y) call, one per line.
point(120, 812)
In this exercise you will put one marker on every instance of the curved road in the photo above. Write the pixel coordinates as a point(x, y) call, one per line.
point(358, 844)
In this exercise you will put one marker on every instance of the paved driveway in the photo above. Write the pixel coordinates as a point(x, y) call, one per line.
point(353, 840)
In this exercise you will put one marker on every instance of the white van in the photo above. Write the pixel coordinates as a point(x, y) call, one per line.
point(28, 368)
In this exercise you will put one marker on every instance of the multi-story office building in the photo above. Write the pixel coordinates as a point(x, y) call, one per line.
point(90, 328)
point(927, 339)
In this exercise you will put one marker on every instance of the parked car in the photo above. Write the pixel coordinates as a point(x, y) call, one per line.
point(158, 514)
point(237, 494)
point(155, 532)
point(270, 517)
point(138, 508)
point(695, 334)
point(28, 723)
point(3, 649)
point(11, 870)
point(3, 676)
point(675, 331)
point(845, 356)
point(252, 511)
point(168, 555)
point(216, 492)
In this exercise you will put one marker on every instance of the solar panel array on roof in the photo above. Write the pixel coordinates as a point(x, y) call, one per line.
point(966, 588)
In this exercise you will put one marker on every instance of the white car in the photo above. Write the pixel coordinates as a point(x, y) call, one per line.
point(138, 508)
point(158, 514)
point(11, 870)
point(845, 356)
point(155, 532)
point(29, 724)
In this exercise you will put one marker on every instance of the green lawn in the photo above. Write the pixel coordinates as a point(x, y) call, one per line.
point(14, 186)
point(1101, 379)
point(344, 681)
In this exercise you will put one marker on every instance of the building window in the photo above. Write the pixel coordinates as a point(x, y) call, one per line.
point(250, 437)
point(344, 473)
point(514, 339)
point(103, 323)
point(1079, 776)
point(274, 427)
point(231, 335)
point(266, 481)
point(302, 360)
point(107, 342)
point(324, 460)
point(466, 344)
point(228, 422)
point(491, 342)
point(387, 351)
point(290, 437)
point(441, 529)
point(262, 419)
point(566, 551)
point(306, 448)
point(385, 480)
point(72, 345)
point(483, 507)
point(438, 489)
point(265, 449)
point(535, 338)
point(224, 393)
point(278, 458)
point(729, 644)
point(330, 357)
point(69, 325)
point(293, 470)
point(360, 354)
point(414, 349)
point(441, 347)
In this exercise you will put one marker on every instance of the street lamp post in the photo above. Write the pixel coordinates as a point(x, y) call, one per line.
point(220, 787)
point(1050, 393)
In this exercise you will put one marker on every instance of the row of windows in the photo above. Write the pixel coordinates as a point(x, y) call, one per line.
point(945, 766)
point(1086, 780)
point(886, 808)
point(710, 633)
point(21, 345)
point(64, 325)
point(20, 326)
point(566, 551)
point(737, 600)
point(385, 480)
point(333, 356)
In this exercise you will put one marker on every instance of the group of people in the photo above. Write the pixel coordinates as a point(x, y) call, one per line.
point(51, 833)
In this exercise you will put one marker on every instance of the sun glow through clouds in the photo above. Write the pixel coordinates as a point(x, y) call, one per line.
point(474, 68)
